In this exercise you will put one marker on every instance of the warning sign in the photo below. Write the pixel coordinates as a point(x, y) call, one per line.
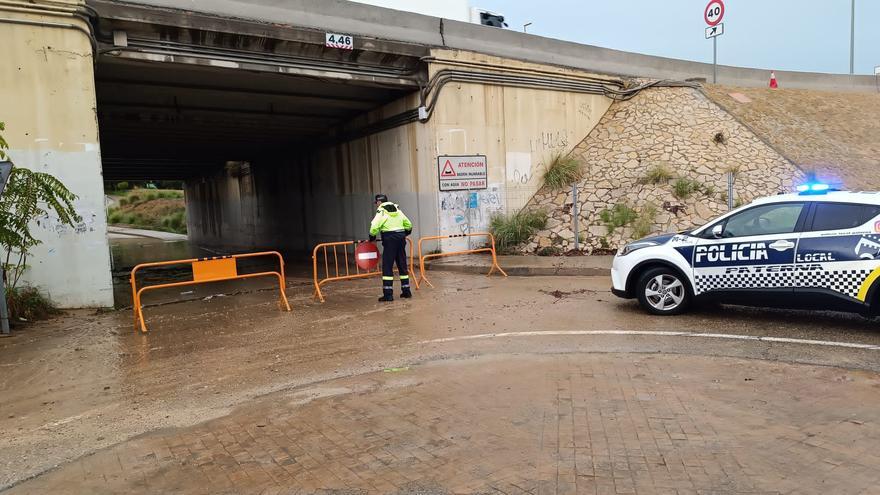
point(461, 173)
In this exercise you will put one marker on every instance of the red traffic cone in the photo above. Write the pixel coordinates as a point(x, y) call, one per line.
point(773, 83)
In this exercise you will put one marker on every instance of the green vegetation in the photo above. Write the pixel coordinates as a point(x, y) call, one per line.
point(658, 174)
point(122, 186)
point(617, 216)
point(684, 188)
point(563, 170)
point(644, 223)
point(163, 210)
point(513, 230)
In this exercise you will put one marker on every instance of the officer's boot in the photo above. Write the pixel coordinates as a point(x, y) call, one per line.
point(404, 288)
point(387, 294)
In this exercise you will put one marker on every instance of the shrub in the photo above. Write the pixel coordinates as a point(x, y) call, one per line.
point(115, 217)
point(562, 171)
point(657, 174)
point(122, 186)
point(617, 216)
point(684, 188)
point(644, 223)
point(514, 229)
point(28, 304)
point(122, 202)
point(133, 199)
point(708, 189)
point(175, 222)
point(151, 197)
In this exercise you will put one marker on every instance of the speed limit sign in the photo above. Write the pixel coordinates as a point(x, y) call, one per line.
point(714, 12)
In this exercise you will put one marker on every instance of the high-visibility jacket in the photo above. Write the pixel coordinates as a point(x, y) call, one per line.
point(389, 218)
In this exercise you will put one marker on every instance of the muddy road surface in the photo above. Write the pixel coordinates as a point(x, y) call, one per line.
point(88, 382)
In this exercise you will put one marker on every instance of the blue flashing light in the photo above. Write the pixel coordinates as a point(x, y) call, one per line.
point(813, 188)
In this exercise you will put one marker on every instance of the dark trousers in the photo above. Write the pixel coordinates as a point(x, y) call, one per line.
point(394, 251)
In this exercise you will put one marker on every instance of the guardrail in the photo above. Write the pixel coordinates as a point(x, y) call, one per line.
point(489, 249)
point(204, 270)
point(350, 269)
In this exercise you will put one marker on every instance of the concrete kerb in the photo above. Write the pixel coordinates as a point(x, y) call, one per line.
point(530, 265)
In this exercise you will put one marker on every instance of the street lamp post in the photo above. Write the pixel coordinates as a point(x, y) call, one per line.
point(525, 27)
point(852, 37)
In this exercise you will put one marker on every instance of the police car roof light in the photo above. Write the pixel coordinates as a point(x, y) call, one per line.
point(813, 188)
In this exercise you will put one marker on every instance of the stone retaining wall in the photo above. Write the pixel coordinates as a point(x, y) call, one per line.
point(678, 130)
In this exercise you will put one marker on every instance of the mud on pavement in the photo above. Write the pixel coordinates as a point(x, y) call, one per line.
point(86, 382)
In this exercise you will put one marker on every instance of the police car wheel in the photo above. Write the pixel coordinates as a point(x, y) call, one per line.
point(661, 291)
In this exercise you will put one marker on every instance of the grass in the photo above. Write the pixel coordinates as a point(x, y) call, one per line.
point(684, 188)
point(618, 216)
point(644, 223)
point(658, 174)
point(162, 210)
point(514, 229)
point(562, 171)
point(28, 304)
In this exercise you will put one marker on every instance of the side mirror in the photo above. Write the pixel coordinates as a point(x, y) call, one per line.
point(717, 231)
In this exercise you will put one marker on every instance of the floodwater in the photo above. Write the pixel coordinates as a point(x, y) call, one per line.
point(88, 380)
point(126, 253)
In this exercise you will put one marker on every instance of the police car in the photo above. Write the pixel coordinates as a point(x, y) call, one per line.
point(818, 249)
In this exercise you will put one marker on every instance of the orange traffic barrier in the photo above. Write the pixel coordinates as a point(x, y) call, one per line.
point(490, 248)
point(339, 252)
point(204, 270)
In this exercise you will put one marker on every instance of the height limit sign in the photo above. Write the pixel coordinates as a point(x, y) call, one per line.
point(462, 172)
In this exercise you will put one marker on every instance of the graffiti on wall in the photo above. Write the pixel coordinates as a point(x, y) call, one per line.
point(463, 212)
point(549, 141)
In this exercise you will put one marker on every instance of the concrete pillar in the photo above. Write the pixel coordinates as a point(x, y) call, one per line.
point(48, 104)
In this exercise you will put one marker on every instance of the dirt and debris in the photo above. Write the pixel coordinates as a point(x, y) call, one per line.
point(560, 294)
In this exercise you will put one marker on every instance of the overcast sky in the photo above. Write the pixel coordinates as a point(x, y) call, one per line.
point(805, 35)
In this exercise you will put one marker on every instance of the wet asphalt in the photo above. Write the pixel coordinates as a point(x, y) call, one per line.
point(87, 380)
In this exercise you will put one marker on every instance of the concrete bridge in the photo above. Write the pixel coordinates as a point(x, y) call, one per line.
point(282, 140)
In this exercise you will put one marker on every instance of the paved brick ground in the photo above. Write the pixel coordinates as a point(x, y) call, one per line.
point(573, 423)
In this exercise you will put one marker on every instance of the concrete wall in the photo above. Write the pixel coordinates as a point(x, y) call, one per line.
point(48, 104)
point(518, 130)
point(377, 23)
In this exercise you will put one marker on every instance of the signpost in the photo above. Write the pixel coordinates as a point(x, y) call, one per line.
point(5, 170)
point(713, 15)
point(462, 172)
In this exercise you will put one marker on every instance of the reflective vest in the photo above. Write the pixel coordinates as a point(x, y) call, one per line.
point(389, 218)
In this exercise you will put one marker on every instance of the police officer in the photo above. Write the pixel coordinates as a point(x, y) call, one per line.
point(394, 227)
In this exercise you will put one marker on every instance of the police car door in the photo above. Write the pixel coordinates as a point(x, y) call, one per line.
point(750, 251)
point(839, 251)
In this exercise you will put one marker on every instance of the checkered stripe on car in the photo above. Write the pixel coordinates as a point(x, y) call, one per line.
point(761, 280)
point(844, 281)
